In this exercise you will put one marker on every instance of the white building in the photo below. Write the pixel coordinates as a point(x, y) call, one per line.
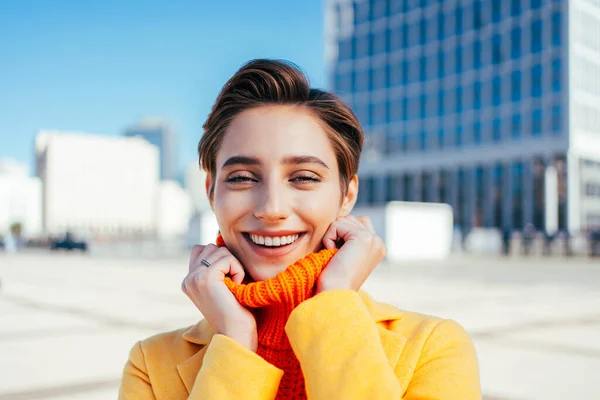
point(20, 199)
point(195, 184)
point(102, 185)
point(175, 210)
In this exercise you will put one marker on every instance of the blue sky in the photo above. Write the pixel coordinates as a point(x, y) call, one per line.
point(99, 65)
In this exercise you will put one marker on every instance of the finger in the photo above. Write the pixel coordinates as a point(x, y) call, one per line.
point(227, 264)
point(194, 254)
point(205, 254)
point(366, 222)
point(338, 229)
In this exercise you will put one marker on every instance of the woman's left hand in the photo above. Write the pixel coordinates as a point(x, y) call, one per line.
point(358, 256)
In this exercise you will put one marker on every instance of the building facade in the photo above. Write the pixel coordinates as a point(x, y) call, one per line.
point(160, 134)
point(103, 186)
point(20, 199)
point(470, 102)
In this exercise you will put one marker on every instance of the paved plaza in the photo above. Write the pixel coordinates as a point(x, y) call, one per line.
point(67, 321)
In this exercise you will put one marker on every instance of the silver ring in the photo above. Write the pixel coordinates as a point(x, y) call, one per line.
point(205, 262)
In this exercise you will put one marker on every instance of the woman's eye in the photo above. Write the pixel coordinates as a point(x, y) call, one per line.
point(305, 179)
point(240, 179)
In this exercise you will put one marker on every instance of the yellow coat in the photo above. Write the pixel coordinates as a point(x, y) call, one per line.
point(348, 345)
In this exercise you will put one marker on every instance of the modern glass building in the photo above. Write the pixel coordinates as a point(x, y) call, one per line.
point(469, 102)
point(160, 134)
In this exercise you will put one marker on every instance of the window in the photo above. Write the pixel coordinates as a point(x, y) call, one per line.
point(536, 81)
point(536, 36)
point(536, 122)
point(535, 4)
point(476, 54)
point(423, 31)
point(497, 10)
point(441, 25)
point(459, 99)
point(477, 22)
point(515, 85)
point(423, 141)
point(343, 82)
point(423, 68)
point(405, 36)
point(345, 49)
point(496, 91)
point(459, 136)
point(515, 43)
point(477, 95)
point(556, 29)
point(362, 46)
point(441, 63)
point(404, 108)
point(362, 112)
point(395, 77)
point(378, 42)
point(441, 95)
point(361, 80)
point(516, 126)
point(556, 120)
point(477, 132)
point(496, 130)
point(556, 75)
point(497, 56)
point(423, 106)
point(458, 16)
point(459, 66)
point(405, 72)
point(515, 8)
point(440, 138)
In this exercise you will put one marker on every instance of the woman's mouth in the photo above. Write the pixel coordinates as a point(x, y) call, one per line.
point(273, 245)
point(273, 241)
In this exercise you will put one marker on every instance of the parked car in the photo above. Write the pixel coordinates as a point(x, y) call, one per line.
point(69, 243)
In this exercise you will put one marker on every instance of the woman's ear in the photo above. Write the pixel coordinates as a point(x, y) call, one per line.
point(350, 198)
point(208, 185)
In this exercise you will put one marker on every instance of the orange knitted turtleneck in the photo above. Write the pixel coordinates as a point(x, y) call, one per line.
point(272, 301)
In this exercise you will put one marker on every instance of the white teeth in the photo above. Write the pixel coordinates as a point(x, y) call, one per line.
point(273, 241)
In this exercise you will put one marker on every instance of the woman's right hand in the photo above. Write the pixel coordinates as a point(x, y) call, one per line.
point(205, 287)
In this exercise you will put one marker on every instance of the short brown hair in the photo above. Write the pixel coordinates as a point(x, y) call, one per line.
point(272, 82)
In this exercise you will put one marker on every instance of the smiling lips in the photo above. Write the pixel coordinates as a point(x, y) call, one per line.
point(273, 241)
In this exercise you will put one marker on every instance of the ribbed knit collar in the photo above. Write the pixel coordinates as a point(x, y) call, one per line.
point(273, 300)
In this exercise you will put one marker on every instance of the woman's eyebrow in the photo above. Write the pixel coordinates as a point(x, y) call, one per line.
point(241, 160)
point(303, 160)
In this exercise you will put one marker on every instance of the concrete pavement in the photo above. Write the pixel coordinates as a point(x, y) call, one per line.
point(67, 321)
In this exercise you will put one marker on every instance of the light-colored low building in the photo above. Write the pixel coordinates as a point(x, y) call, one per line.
point(102, 185)
point(20, 199)
point(195, 184)
point(175, 210)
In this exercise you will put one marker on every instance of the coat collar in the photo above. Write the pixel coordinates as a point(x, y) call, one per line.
point(202, 333)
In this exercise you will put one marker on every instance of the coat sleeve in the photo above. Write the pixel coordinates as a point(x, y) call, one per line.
point(447, 367)
point(342, 357)
point(337, 343)
point(231, 371)
point(135, 383)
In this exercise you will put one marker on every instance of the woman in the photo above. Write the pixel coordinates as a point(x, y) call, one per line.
point(279, 292)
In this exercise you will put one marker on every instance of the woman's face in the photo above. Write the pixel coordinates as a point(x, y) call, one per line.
point(277, 188)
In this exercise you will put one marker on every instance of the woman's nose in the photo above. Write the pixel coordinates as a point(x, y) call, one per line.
point(272, 204)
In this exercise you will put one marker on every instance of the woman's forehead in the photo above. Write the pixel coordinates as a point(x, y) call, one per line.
point(275, 133)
